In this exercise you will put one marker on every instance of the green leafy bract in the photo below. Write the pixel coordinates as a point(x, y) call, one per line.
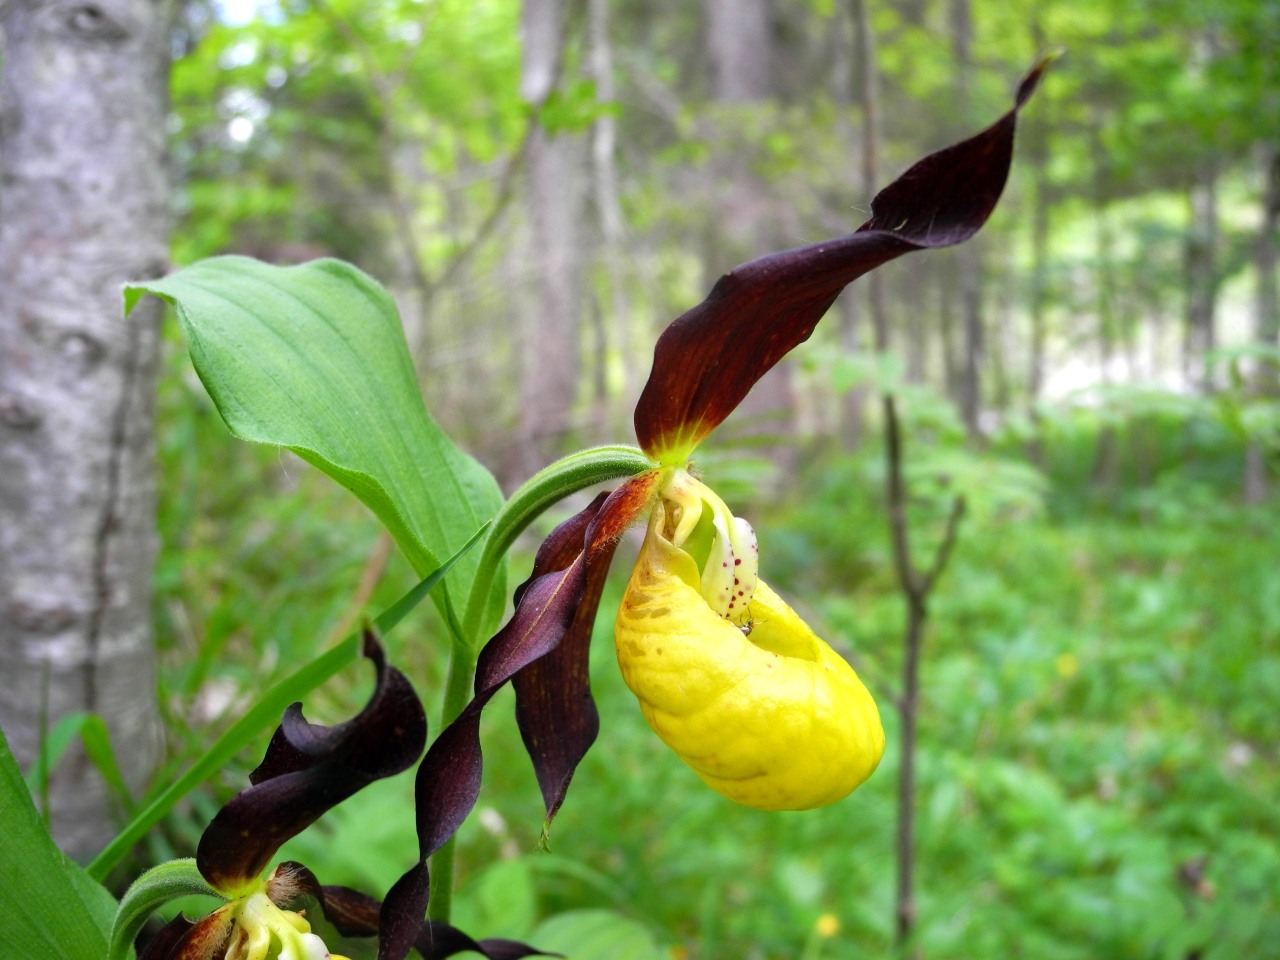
point(313, 358)
point(158, 886)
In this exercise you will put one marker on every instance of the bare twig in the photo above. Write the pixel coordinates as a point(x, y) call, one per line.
point(506, 192)
point(943, 555)
point(916, 587)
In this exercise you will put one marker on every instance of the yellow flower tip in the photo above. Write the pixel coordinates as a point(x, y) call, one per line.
point(675, 449)
point(764, 711)
point(263, 931)
point(827, 925)
point(1068, 665)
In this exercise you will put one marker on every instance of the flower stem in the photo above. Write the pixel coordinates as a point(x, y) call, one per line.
point(546, 487)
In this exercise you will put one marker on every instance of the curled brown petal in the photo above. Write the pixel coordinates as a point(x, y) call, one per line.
point(548, 603)
point(355, 914)
point(556, 714)
point(310, 768)
point(183, 939)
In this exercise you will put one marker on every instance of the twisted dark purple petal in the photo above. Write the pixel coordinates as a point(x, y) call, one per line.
point(555, 711)
point(183, 939)
point(707, 360)
point(308, 769)
point(547, 605)
point(355, 914)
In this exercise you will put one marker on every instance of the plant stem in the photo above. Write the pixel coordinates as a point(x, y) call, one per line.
point(545, 488)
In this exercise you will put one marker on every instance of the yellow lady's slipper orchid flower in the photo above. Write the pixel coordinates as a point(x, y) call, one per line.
point(764, 711)
point(726, 673)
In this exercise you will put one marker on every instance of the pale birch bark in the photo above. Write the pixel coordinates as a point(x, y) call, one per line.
point(740, 50)
point(83, 101)
point(968, 256)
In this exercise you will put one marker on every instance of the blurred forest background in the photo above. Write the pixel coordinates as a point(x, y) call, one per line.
point(544, 188)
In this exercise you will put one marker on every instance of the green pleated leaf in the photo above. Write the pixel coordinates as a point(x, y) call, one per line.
point(313, 358)
point(49, 908)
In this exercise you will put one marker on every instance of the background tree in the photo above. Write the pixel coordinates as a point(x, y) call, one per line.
point(83, 106)
point(550, 352)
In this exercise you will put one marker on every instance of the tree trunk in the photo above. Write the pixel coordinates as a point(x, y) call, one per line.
point(83, 104)
point(604, 167)
point(1266, 258)
point(1266, 318)
point(549, 379)
point(869, 99)
point(1002, 347)
point(740, 54)
point(740, 49)
point(1039, 160)
point(1106, 462)
point(968, 256)
point(844, 54)
point(1202, 285)
point(1038, 157)
point(945, 280)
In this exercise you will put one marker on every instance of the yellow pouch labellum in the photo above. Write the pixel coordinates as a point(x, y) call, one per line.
point(775, 720)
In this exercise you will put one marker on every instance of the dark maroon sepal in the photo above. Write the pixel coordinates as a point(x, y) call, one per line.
point(354, 914)
point(707, 360)
point(555, 711)
point(310, 768)
point(183, 939)
point(439, 940)
point(402, 912)
point(547, 605)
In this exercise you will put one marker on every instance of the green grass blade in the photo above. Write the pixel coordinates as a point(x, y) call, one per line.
point(49, 910)
point(92, 731)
